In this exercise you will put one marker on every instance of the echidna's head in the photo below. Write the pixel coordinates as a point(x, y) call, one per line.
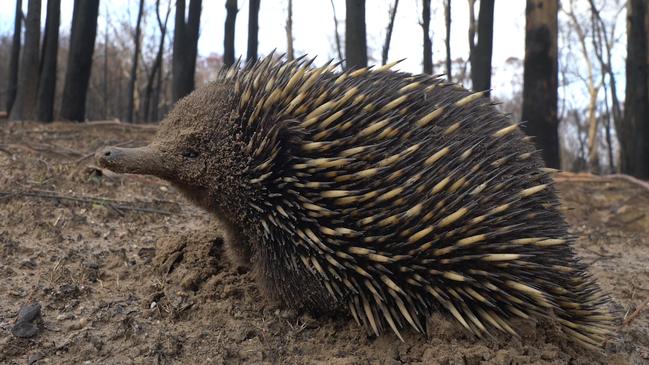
point(196, 148)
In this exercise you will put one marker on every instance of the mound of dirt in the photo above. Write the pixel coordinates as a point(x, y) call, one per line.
point(125, 271)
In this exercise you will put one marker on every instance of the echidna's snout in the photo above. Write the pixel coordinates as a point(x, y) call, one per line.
point(142, 160)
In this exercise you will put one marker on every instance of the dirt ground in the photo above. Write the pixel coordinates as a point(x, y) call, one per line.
point(126, 271)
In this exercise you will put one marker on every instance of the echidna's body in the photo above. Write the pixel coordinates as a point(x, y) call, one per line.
point(390, 194)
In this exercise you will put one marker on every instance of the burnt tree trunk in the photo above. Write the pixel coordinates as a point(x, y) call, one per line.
point(82, 47)
point(253, 30)
point(447, 41)
point(157, 64)
point(133, 76)
point(24, 107)
point(388, 33)
point(228, 39)
point(185, 48)
point(428, 44)
point(47, 82)
point(105, 68)
point(289, 32)
point(482, 50)
point(634, 131)
point(540, 78)
point(15, 57)
point(355, 38)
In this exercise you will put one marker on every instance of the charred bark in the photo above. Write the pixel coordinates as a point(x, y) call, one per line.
point(253, 30)
point(47, 82)
point(24, 107)
point(185, 48)
point(15, 56)
point(355, 37)
point(428, 44)
point(482, 50)
point(79, 67)
point(634, 131)
point(228, 39)
point(540, 78)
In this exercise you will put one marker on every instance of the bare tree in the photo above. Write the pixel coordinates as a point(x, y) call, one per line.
point(634, 131)
point(481, 51)
point(157, 63)
point(337, 34)
point(105, 67)
point(388, 32)
point(15, 56)
point(428, 44)
point(24, 107)
point(540, 78)
point(253, 30)
point(355, 39)
point(593, 90)
point(185, 48)
point(82, 46)
point(603, 44)
point(136, 56)
point(47, 82)
point(289, 32)
point(447, 41)
point(228, 39)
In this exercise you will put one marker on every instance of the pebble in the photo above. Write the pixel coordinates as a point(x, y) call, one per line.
point(35, 357)
point(24, 330)
point(78, 324)
point(29, 312)
point(24, 327)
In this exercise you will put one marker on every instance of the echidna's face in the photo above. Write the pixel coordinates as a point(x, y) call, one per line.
point(195, 148)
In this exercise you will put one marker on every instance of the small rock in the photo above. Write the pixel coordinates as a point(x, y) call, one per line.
point(29, 312)
point(24, 330)
point(34, 357)
point(78, 324)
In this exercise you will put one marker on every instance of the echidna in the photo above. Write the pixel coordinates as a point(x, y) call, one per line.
point(390, 194)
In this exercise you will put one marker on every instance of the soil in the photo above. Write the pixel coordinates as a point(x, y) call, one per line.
point(121, 269)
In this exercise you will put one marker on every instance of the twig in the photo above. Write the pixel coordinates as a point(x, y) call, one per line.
point(635, 314)
point(117, 123)
point(116, 205)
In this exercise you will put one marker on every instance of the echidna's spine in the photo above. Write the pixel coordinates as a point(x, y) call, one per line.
point(403, 194)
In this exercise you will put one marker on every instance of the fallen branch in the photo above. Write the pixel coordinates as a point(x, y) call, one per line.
point(631, 179)
point(115, 205)
point(564, 176)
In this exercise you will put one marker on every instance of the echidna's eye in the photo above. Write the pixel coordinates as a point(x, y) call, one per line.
point(190, 153)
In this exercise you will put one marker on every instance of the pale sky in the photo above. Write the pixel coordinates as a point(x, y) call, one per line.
point(313, 31)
